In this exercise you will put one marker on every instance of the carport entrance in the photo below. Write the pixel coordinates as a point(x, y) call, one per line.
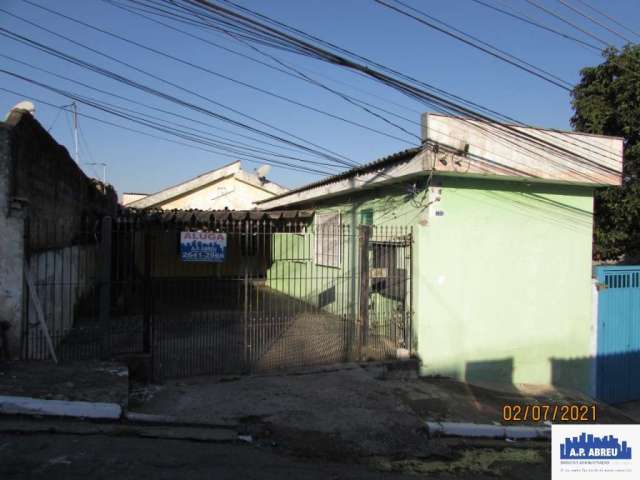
point(234, 292)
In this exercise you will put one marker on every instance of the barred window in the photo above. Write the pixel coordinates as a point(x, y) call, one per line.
point(328, 239)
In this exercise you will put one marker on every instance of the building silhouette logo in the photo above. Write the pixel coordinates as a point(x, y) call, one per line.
point(590, 447)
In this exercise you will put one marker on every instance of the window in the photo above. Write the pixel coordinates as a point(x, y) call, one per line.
point(366, 217)
point(386, 278)
point(328, 239)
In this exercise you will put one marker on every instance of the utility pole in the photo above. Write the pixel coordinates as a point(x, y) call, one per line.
point(74, 108)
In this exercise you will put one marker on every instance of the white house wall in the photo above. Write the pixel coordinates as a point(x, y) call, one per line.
point(228, 192)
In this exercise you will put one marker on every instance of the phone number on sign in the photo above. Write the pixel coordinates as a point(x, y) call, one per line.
point(549, 413)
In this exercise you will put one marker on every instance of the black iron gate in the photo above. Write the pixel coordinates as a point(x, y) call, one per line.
point(286, 292)
point(84, 281)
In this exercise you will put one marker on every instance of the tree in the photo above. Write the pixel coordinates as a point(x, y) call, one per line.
point(607, 102)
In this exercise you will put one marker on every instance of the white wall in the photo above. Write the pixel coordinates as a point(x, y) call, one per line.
point(62, 277)
point(227, 192)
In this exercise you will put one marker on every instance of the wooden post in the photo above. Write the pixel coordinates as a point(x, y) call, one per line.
point(363, 311)
point(104, 286)
point(35, 299)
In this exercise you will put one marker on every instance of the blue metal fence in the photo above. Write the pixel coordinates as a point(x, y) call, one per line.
point(618, 360)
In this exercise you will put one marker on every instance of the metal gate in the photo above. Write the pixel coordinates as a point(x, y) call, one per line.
point(286, 292)
point(618, 360)
point(84, 281)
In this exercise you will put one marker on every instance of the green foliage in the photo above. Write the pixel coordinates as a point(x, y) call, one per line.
point(607, 102)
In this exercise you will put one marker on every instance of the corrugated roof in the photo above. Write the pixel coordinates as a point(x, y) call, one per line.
point(381, 162)
point(207, 216)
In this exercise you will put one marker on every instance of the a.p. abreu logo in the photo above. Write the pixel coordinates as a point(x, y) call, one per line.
point(590, 447)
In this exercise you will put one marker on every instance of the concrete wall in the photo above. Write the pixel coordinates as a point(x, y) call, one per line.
point(55, 187)
point(518, 152)
point(501, 275)
point(11, 248)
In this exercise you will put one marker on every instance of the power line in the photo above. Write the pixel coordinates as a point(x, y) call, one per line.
point(129, 129)
point(295, 73)
point(136, 102)
point(54, 121)
point(408, 89)
point(226, 77)
point(143, 119)
point(477, 43)
point(303, 47)
point(284, 71)
point(589, 17)
point(129, 100)
point(329, 154)
point(568, 22)
point(163, 95)
point(608, 17)
point(438, 103)
point(526, 19)
point(330, 45)
point(596, 48)
point(226, 141)
point(359, 104)
point(364, 70)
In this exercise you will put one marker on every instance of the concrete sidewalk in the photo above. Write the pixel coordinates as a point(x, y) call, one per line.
point(442, 399)
point(348, 408)
point(336, 410)
point(82, 389)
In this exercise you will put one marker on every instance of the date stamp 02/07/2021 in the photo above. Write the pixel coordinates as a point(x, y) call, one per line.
point(514, 413)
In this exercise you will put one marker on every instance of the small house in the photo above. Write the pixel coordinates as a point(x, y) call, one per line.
point(498, 271)
point(228, 187)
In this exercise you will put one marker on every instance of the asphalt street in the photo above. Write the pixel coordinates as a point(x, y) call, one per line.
point(62, 456)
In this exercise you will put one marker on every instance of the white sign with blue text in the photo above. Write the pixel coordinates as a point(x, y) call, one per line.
point(591, 451)
point(203, 247)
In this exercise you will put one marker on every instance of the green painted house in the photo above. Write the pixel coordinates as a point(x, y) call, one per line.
point(496, 282)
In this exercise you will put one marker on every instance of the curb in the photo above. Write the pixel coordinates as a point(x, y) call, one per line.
point(475, 430)
point(60, 408)
point(84, 427)
point(135, 418)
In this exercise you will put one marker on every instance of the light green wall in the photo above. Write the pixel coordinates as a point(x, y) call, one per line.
point(505, 282)
point(294, 271)
point(501, 275)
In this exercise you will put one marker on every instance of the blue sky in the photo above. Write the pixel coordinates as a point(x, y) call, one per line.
point(142, 164)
